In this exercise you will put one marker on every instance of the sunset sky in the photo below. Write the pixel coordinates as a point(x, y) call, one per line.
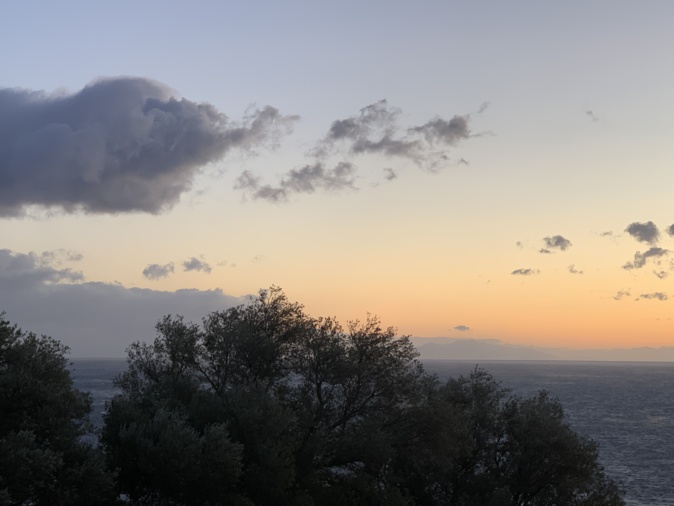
point(463, 169)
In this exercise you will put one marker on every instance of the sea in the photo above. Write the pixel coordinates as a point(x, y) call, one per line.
point(626, 407)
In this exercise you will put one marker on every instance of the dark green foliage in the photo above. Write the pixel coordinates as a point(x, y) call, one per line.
point(265, 405)
point(42, 418)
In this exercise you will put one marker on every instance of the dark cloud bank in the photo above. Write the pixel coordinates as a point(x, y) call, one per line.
point(94, 319)
point(117, 145)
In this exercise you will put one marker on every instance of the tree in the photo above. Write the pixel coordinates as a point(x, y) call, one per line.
point(43, 459)
point(304, 411)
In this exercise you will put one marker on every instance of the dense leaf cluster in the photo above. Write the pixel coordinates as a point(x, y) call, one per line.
point(262, 404)
point(43, 457)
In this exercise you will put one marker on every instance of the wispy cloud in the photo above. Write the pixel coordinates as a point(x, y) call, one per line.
point(462, 328)
point(525, 272)
point(621, 294)
point(376, 130)
point(308, 179)
point(194, 264)
point(591, 115)
point(653, 296)
point(661, 274)
point(572, 269)
point(157, 271)
point(390, 174)
point(118, 145)
point(640, 259)
point(556, 242)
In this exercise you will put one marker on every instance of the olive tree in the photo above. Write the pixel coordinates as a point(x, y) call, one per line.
point(304, 411)
point(43, 457)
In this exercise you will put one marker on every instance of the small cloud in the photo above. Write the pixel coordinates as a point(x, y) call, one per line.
point(545, 251)
point(557, 242)
point(621, 294)
point(483, 107)
point(670, 229)
point(591, 116)
point(608, 233)
point(641, 258)
point(573, 270)
point(74, 256)
point(390, 174)
point(462, 328)
point(308, 179)
point(644, 232)
point(661, 274)
point(653, 296)
point(519, 244)
point(525, 272)
point(194, 264)
point(156, 271)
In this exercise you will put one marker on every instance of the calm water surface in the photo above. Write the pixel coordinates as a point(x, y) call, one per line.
point(628, 408)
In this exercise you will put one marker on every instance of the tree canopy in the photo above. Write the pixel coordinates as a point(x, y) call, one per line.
point(263, 404)
point(43, 457)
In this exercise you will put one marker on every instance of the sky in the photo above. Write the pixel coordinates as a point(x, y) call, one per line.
point(483, 170)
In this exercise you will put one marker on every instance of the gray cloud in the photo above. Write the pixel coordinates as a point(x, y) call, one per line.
point(308, 179)
point(94, 319)
point(545, 251)
point(19, 268)
point(670, 229)
point(608, 233)
point(654, 296)
point(483, 107)
point(621, 294)
point(117, 145)
point(440, 131)
point(462, 328)
point(376, 130)
point(391, 174)
point(194, 264)
point(640, 259)
point(573, 270)
point(557, 242)
point(156, 271)
point(592, 116)
point(661, 274)
point(525, 272)
point(644, 232)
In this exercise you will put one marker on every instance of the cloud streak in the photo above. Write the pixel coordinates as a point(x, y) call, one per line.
point(376, 130)
point(556, 242)
point(118, 145)
point(308, 179)
point(194, 264)
point(525, 272)
point(661, 296)
point(156, 271)
point(640, 259)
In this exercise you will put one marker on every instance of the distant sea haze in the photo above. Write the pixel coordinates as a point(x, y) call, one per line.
point(448, 348)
